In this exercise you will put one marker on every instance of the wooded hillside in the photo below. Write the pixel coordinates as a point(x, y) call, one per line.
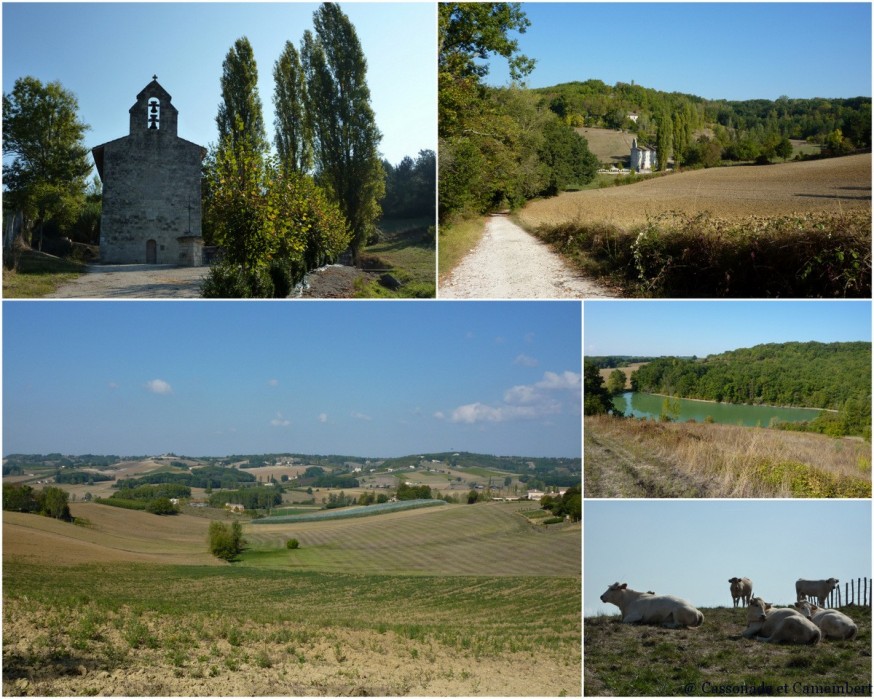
point(808, 374)
point(699, 131)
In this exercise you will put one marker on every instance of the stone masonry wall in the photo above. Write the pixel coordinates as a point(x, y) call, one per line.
point(149, 179)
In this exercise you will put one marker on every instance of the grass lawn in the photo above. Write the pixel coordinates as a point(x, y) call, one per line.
point(39, 274)
point(406, 249)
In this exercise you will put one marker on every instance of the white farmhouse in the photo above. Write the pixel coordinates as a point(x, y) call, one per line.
point(643, 158)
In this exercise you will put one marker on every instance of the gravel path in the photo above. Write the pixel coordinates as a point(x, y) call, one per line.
point(509, 263)
point(168, 282)
point(134, 281)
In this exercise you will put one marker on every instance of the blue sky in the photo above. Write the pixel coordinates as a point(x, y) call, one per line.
point(734, 51)
point(107, 52)
point(363, 378)
point(691, 548)
point(684, 328)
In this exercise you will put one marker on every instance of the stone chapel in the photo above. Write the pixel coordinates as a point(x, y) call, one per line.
point(643, 158)
point(151, 188)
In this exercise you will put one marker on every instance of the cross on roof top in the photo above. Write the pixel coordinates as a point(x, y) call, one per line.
point(154, 77)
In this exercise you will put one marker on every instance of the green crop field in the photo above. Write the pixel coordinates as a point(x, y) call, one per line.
point(456, 600)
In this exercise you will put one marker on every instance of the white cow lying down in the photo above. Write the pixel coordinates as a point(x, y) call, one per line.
point(784, 625)
point(833, 624)
point(647, 608)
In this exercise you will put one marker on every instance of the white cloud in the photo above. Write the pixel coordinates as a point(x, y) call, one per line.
point(567, 380)
point(159, 386)
point(323, 418)
point(525, 360)
point(361, 416)
point(521, 394)
point(113, 385)
point(479, 412)
point(524, 402)
point(279, 421)
point(273, 382)
point(439, 415)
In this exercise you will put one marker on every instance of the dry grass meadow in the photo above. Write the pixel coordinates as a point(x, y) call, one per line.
point(641, 458)
point(454, 600)
point(833, 185)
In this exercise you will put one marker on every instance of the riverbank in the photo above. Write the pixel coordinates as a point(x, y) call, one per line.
point(749, 405)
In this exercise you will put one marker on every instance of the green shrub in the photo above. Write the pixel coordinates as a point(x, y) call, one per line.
point(292, 544)
point(281, 277)
point(225, 542)
point(228, 281)
point(162, 506)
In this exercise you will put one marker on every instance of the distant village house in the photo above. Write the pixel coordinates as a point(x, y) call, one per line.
point(643, 158)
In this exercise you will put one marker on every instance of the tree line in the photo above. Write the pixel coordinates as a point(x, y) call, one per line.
point(801, 374)
point(701, 132)
point(49, 501)
point(498, 146)
point(277, 216)
point(205, 477)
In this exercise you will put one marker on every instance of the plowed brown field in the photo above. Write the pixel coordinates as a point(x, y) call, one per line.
point(833, 184)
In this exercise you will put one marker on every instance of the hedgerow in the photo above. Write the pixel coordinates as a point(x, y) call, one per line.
point(679, 255)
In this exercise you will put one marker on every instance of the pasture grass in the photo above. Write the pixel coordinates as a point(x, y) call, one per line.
point(457, 238)
point(676, 255)
point(39, 274)
point(407, 248)
point(729, 460)
point(631, 660)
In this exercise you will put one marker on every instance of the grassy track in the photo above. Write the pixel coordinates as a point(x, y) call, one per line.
point(407, 248)
point(632, 458)
point(628, 660)
point(456, 239)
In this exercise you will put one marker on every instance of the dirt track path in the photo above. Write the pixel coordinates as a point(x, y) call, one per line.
point(167, 282)
point(611, 470)
point(509, 263)
point(134, 282)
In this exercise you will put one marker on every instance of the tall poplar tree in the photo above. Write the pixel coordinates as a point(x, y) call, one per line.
point(664, 133)
point(293, 133)
point(345, 135)
point(240, 115)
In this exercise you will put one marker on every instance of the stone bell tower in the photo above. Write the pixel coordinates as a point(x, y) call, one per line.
point(151, 188)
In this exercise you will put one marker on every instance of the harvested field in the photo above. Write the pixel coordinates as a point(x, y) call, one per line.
point(475, 601)
point(608, 145)
point(833, 185)
point(111, 534)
